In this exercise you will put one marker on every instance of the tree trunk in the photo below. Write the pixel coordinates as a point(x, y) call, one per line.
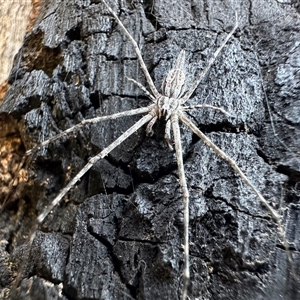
point(118, 233)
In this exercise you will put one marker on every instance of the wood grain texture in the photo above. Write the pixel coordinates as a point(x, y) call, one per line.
point(14, 16)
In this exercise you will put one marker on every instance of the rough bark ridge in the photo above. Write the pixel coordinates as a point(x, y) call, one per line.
point(108, 240)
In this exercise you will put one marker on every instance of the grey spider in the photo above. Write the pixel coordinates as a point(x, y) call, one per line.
point(170, 105)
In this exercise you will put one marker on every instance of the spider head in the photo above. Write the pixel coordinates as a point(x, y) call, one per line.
point(166, 106)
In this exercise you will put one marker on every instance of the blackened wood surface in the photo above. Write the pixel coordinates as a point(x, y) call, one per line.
point(118, 233)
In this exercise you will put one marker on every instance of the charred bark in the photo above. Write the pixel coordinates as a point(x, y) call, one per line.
point(118, 233)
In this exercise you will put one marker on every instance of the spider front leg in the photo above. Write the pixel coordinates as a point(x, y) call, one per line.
point(137, 51)
point(211, 61)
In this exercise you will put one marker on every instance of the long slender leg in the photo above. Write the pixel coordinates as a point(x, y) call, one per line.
point(185, 108)
point(222, 154)
point(142, 88)
point(137, 51)
point(209, 64)
point(235, 167)
point(92, 161)
point(185, 193)
point(126, 113)
point(168, 135)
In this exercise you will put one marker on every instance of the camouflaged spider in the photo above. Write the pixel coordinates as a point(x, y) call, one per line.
point(170, 105)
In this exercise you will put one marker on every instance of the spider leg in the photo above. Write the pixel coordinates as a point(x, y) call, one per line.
point(225, 157)
point(137, 51)
point(168, 135)
point(149, 130)
point(185, 193)
point(92, 161)
point(235, 167)
point(142, 88)
point(209, 64)
point(184, 108)
point(126, 113)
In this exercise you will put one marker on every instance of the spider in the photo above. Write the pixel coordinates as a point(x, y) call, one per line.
point(170, 105)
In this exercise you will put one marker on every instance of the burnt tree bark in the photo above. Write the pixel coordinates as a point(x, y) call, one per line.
point(118, 233)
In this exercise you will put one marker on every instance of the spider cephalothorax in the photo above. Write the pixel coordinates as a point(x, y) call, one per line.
point(167, 103)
